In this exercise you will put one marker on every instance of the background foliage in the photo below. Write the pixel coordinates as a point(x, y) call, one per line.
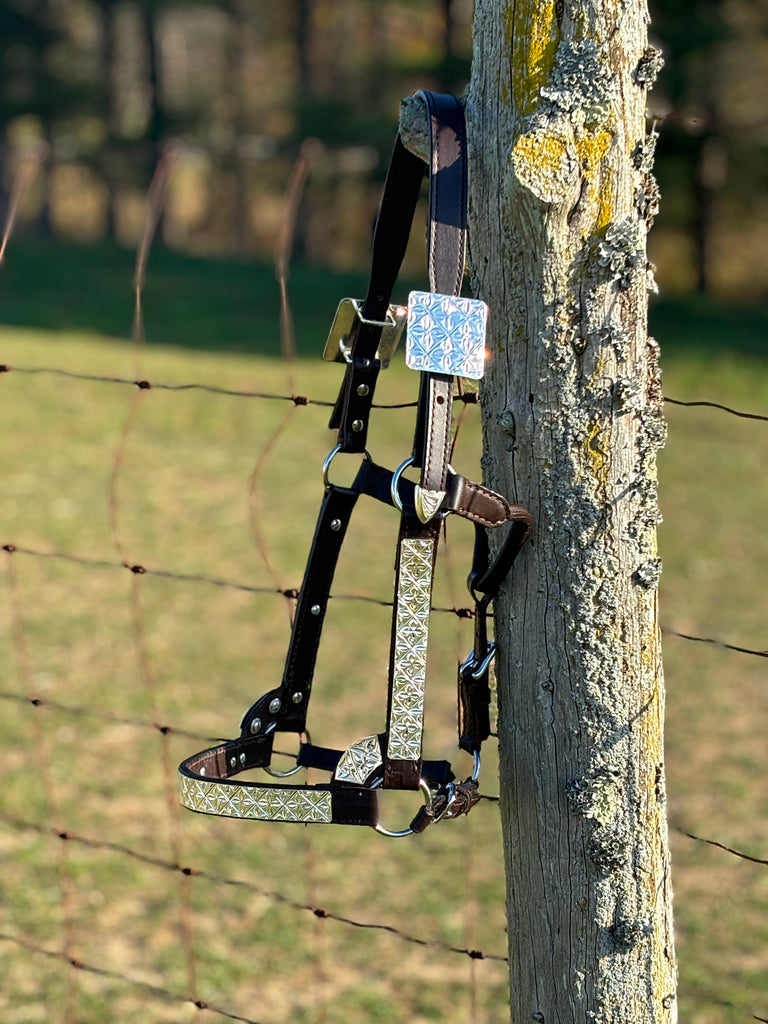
point(99, 88)
point(92, 93)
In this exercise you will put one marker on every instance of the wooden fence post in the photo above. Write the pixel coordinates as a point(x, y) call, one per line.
point(561, 198)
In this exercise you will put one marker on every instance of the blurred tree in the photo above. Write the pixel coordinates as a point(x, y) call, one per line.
point(106, 108)
point(692, 35)
point(27, 88)
point(711, 122)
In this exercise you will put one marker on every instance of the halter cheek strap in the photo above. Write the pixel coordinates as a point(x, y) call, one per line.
point(445, 339)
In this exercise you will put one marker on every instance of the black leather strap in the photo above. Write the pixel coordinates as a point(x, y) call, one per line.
point(286, 706)
point(447, 235)
point(390, 240)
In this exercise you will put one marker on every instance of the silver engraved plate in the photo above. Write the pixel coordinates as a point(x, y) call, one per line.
point(406, 721)
point(275, 803)
point(349, 315)
point(446, 334)
point(427, 502)
point(359, 760)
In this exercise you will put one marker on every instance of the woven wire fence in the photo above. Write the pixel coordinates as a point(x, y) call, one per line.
point(150, 575)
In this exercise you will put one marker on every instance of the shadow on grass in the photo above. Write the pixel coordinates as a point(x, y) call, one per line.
point(708, 325)
point(217, 305)
point(224, 305)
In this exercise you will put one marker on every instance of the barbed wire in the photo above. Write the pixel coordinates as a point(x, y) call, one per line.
point(102, 972)
point(467, 397)
point(716, 405)
point(459, 611)
point(271, 894)
point(716, 643)
point(722, 846)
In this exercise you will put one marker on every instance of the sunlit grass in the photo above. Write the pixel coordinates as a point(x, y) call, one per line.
point(182, 501)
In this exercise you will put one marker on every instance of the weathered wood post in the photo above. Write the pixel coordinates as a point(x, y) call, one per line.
point(561, 197)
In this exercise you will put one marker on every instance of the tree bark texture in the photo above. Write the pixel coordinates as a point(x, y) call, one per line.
point(561, 197)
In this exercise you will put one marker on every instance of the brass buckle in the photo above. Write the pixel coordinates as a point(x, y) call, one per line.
point(338, 347)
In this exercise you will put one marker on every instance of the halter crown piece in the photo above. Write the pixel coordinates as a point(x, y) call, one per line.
point(445, 339)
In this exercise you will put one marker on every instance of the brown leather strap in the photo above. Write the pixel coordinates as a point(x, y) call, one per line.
point(437, 441)
point(463, 497)
point(447, 235)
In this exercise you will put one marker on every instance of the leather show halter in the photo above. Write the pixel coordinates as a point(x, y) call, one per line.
point(446, 339)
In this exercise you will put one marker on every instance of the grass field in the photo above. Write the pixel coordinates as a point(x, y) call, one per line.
point(106, 652)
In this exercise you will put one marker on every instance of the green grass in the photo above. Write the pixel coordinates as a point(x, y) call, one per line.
point(183, 504)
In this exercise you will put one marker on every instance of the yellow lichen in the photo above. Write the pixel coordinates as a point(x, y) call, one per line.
point(592, 148)
point(532, 27)
point(545, 162)
point(595, 450)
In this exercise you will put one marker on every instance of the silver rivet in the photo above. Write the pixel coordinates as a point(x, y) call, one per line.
point(357, 426)
point(233, 762)
point(242, 760)
point(335, 524)
point(274, 705)
point(255, 726)
point(315, 609)
point(202, 771)
point(362, 390)
point(297, 698)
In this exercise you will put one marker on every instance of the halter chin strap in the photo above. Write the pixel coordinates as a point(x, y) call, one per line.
point(445, 339)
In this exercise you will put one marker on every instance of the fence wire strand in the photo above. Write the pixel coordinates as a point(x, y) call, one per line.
point(79, 966)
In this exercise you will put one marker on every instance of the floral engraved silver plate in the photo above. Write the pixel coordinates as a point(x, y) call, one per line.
point(446, 334)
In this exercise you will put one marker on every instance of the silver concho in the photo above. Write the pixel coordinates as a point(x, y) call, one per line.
point(446, 334)
point(359, 760)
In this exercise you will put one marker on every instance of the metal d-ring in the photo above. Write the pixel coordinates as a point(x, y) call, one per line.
point(424, 787)
point(394, 486)
point(303, 737)
point(329, 459)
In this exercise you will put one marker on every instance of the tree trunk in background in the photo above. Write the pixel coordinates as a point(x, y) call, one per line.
point(238, 41)
point(448, 29)
point(303, 37)
point(157, 122)
point(110, 157)
point(710, 173)
point(561, 197)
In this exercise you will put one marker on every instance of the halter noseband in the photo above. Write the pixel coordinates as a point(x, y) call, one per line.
point(445, 339)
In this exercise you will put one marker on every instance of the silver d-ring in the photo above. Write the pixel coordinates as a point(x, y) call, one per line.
point(476, 768)
point(394, 486)
point(327, 464)
point(289, 771)
point(329, 459)
point(424, 787)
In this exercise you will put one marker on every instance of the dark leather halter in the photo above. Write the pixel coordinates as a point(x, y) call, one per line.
point(446, 337)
